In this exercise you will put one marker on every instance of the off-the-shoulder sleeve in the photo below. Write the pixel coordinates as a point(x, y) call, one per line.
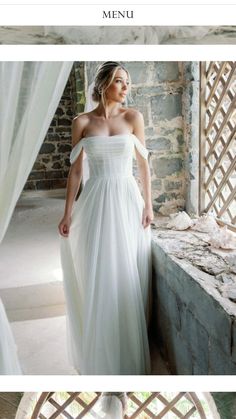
point(76, 150)
point(140, 147)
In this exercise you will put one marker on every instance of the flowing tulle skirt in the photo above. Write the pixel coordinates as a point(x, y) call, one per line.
point(106, 264)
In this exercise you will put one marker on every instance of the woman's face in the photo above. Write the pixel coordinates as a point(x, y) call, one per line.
point(119, 87)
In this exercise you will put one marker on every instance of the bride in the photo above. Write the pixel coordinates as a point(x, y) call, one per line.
point(106, 237)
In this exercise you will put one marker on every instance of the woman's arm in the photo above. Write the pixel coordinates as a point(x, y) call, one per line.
point(145, 177)
point(74, 177)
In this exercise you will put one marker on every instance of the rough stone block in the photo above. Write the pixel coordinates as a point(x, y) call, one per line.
point(139, 71)
point(206, 309)
point(44, 184)
point(196, 337)
point(54, 174)
point(64, 122)
point(170, 185)
point(170, 302)
point(47, 148)
point(160, 143)
point(182, 354)
point(167, 166)
point(57, 165)
point(63, 148)
point(149, 132)
point(164, 197)
point(30, 186)
point(234, 341)
point(166, 71)
point(219, 362)
point(166, 107)
point(37, 175)
point(197, 369)
point(156, 184)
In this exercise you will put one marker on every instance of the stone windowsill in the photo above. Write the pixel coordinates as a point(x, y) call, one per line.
point(208, 266)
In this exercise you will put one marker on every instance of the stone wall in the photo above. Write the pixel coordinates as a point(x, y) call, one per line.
point(164, 93)
point(194, 313)
point(51, 167)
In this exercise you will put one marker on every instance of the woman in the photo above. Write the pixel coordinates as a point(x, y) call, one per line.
point(106, 243)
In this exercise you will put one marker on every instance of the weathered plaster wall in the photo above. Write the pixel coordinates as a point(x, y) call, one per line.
point(51, 167)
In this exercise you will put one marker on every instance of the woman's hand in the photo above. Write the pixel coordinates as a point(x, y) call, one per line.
point(147, 217)
point(64, 226)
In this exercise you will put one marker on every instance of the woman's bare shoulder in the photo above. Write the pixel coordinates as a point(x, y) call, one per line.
point(79, 124)
point(133, 115)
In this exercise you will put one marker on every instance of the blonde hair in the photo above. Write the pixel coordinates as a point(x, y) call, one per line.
point(104, 76)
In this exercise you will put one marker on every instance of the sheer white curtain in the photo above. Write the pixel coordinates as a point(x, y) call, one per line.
point(29, 95)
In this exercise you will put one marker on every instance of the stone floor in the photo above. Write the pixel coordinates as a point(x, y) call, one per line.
point(33, 293)
point(110, 35)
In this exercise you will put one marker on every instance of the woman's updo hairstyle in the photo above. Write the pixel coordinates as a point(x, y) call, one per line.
point(104, 77)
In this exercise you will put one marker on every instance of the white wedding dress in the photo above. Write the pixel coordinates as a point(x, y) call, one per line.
point(106, 262)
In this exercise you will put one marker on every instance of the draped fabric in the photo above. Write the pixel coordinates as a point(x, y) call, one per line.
point(29, 96)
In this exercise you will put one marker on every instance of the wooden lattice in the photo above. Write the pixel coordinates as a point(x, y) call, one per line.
point(218, 141)
point(64, 405)
point(156, 405)
point(140, 405)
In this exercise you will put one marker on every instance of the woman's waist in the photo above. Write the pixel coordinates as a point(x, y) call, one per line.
point(109, 176)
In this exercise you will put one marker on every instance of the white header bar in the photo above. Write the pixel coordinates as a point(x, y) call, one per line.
point(110, 3)
point(118, 383)
point(117, 52)
point(84, 15)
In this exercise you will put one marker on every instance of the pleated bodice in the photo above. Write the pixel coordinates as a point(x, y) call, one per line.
point(109, 156)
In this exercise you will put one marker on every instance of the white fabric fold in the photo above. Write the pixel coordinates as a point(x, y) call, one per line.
point(140, 147)
point(76, 150)
point(29, 95)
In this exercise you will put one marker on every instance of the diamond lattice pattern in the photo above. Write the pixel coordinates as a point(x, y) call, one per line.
point(218, 140)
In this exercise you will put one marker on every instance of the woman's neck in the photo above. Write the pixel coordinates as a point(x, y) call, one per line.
point(110, 110)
